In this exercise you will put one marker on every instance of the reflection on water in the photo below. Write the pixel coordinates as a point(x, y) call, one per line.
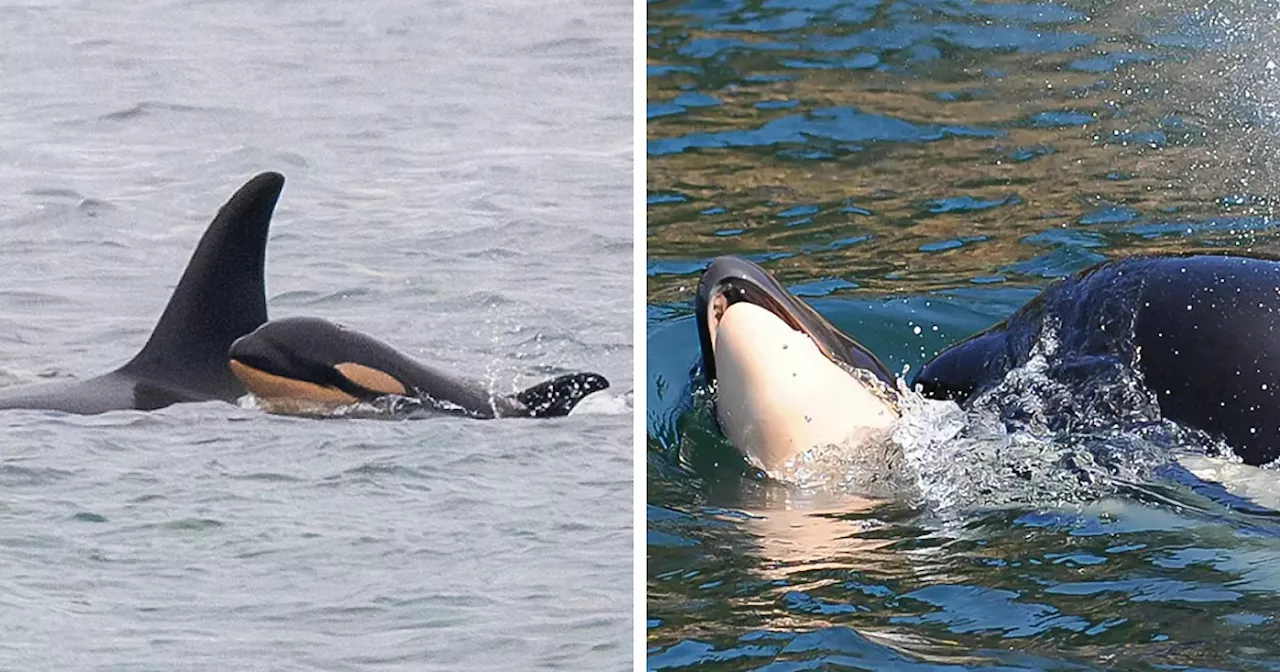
point(918, 169)
point(873, 138)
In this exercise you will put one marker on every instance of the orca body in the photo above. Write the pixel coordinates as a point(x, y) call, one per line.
point(219, 299)
point(1201, 330)
point(304, 365)
point(784, 378)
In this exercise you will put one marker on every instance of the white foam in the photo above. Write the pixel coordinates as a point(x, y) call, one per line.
point(1256, 484)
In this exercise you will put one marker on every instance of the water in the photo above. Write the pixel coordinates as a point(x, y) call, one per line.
point(918, 170)
point(458, 185)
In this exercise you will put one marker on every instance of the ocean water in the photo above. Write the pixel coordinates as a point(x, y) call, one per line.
point(458, 185)
point(918, 170)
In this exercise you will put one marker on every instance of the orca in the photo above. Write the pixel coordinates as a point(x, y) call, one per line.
point(1199, 329)
point(310, 366)
point(1196, 332)
point(784, 378)
point(219, 299)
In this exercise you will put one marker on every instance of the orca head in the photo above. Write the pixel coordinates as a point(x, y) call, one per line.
point(312, 363)
point(785, 379)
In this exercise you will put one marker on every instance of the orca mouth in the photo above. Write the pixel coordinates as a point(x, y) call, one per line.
point(731, 280)
point(270, 367)
point(733, 291)
point(738, 290)
point(258, 362)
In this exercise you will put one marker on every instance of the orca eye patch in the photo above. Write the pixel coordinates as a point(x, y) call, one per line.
point(370, 378)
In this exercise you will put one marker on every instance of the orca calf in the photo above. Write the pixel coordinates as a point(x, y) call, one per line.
point(219, 299)
point(785, 378)
point(1200, 330)
point(305, 365)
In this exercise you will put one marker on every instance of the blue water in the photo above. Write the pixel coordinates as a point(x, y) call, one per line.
point(918, 170)
point(458, 185)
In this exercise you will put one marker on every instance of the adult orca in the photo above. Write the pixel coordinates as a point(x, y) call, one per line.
point(785, 378)
point(219, 299)
point(1201, 330)
point(305, 365)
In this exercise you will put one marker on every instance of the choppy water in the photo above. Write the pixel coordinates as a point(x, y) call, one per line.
point(459, 186)
point(918, 169)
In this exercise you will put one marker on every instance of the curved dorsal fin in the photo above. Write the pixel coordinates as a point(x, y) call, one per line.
point(219, 298)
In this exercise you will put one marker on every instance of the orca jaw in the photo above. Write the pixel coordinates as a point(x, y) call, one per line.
point(730, 280)
point(785, 380)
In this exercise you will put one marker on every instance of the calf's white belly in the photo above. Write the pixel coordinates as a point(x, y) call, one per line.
point(777, 395)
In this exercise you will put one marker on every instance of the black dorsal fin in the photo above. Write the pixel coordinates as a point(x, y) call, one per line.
point(219, 298)
point(558, 396)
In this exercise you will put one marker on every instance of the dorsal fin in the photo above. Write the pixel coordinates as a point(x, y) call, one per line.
point(219, 298)
point(558, 396)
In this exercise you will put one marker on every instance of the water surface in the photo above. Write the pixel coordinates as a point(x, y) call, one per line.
point(458, 185)
point(918, 170)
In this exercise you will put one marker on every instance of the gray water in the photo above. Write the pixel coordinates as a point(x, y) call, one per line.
point(459, 180)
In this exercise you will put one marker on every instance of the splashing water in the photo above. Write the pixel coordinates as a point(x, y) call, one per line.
point(1062, 429)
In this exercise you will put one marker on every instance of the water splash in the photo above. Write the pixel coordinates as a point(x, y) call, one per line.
point(1062, 429)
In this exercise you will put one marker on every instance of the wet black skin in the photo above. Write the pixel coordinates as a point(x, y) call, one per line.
point(219, 299)
point(307, 349)
point(1204, 329)
point(737, 279)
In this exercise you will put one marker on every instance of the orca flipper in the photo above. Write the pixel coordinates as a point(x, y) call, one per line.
point(220, 298)
point(558, 396)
